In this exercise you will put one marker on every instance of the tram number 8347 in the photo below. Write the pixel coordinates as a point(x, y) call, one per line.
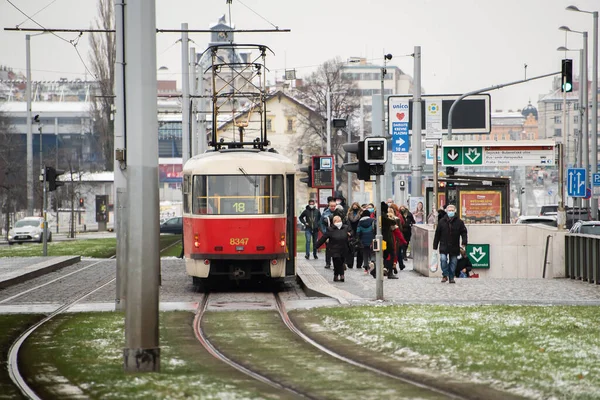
point(238, 241)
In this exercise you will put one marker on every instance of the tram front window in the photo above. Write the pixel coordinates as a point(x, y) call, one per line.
point(238, 194)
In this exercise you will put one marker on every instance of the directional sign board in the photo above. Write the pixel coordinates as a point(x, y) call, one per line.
point(596, 180)
point(576, 178)
point(499, 153)
point(479, 255)
point(399, 118)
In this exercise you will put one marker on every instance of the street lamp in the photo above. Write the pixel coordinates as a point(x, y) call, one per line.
point(594, 148)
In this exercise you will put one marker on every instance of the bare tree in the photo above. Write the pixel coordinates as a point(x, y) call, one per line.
point(344, 105)
point(12, 171)
point(102, 56)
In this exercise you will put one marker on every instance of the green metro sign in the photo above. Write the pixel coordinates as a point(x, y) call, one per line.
point(479, 254)
point(463, 155)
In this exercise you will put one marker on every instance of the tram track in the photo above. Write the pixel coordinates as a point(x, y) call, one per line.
point(437, 392)
point(13, 353)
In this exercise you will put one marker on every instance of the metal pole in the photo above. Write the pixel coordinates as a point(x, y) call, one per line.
point(582, 90)
point(362, 136)
point(586, 131)
point(194, 92)
point(185, 95)
point(202, 131)
point(379, 239)
point(142, 351)
point(417, 163)
point(45, 205)
point(41, 159)
point(328, 100)
point(561, 188)
point(120, 163)
point(436, 148)
point(29, 132)
point(594, 146)
point(349, 177)
point(382, 180)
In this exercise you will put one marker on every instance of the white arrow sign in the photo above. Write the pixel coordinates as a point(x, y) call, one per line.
point(453, 155)
point(473, 154)
point(571, 182)
point(477, 254)
point(400, 141)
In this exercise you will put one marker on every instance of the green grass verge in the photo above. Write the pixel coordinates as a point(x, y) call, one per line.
point(260, 341)
point(535, 351)
point(96, 248)
point(81, 355)
point(12, 327)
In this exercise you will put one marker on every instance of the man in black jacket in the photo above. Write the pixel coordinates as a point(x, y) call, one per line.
point(310, 218)
point(449, 232)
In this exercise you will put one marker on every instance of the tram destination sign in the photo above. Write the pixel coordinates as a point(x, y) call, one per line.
point(499, 153)
point(323, 172)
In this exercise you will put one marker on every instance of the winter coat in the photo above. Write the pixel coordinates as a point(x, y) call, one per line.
point(325, 221)
point(448, 235)
point(366, 230)
point(310, 218)
point(338, 241)
point(409, 221)
point(327, 218)
point(353, 218)
point(398, 241)
point(462, 264)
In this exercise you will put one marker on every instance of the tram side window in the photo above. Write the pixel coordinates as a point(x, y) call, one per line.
point(277, 194)
point(186, 194)
point(199, 202)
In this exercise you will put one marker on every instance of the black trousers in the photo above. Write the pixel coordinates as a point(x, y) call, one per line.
point(366, 255)
point(338, 265)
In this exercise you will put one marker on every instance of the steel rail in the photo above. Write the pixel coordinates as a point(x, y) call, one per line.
point(292, 327)
point(221, 357)
point(13, 353)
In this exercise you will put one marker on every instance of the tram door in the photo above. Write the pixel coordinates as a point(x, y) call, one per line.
point(290, 209)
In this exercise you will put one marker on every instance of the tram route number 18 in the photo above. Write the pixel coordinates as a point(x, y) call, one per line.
point(239, 207)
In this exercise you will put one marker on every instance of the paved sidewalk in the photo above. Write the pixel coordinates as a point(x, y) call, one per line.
point(411, 287)
point(14, 270)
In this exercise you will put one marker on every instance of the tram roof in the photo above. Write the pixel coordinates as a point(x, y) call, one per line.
point(229, 162)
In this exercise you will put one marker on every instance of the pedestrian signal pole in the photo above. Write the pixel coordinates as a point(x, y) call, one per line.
point(45, 205)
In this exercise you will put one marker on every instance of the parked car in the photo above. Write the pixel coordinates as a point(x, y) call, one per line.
point(28, 229)
point(549, 209)
point(549, 220)
point(586, 228)
point(172, 225)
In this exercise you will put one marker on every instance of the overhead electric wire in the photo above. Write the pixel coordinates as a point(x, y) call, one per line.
point(37, 12)
point(73, 42)
point(272, 24)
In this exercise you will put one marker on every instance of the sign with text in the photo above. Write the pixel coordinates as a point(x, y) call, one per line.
point(499, 153)
point(481, 207)
point(399, 118)
point(322, 171)
point(472, 115)
point(479, 255)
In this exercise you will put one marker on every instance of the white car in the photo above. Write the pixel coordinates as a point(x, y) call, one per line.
point(28, 229)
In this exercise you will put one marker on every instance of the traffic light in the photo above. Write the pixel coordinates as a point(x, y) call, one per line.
point(51, 175)
point(566, 80)
point(360, 167)
point(309, 179)
point(375, 150)
point(450, 171)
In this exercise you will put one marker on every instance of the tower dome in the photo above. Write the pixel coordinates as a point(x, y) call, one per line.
point(530, 109)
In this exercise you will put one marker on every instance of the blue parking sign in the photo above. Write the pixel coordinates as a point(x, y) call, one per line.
point(596, 180)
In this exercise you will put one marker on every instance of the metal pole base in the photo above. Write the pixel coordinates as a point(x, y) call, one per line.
point(141, 360)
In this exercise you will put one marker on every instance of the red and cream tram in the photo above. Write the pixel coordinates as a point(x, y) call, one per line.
point(239, 219)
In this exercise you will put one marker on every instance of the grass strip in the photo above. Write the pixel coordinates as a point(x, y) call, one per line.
point(260, 341)
point(533, 351)
point(12, 326)
point(80, 355)
point(95, 248)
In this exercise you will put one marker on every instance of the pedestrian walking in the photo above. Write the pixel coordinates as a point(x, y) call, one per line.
point(409, 221)
point(448, 235)
point(365, 231)
point(353, 216)
point(337, 237)
point(310, 218)
point(327, 216)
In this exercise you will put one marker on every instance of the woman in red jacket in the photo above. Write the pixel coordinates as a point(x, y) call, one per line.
point(399, 241)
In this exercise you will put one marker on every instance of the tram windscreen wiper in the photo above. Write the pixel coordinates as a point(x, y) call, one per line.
point(252, 181)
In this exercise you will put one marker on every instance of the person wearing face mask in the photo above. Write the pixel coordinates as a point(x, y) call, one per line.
point(326, 222)
point(408, 222)
point(337, 238)
point(448, 235)
point(353, 216)
point(372, 210)
point(311, 218)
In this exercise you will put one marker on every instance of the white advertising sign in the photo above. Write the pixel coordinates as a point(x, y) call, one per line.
point(518, 157)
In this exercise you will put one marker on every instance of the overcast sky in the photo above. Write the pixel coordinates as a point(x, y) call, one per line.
point(466, 44)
